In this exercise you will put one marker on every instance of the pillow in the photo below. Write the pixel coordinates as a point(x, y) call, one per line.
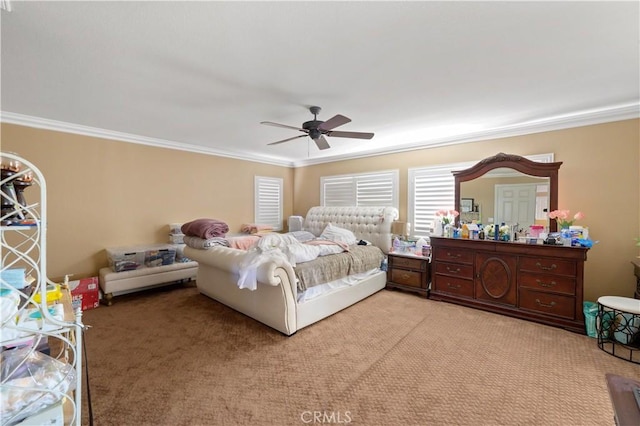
point(302, 236)
point(243, 242)
point(337, 234)
point(205, 228)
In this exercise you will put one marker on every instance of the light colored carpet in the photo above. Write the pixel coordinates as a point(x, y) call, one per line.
point(175, 357)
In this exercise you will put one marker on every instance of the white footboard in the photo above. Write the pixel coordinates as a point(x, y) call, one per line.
point(272, 303)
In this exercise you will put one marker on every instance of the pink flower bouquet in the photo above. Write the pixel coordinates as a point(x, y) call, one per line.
point(564, 219)
point(447, 216)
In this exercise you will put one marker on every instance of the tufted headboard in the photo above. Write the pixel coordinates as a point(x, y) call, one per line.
point(367, 223)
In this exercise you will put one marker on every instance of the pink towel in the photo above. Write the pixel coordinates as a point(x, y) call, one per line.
point(205, 228)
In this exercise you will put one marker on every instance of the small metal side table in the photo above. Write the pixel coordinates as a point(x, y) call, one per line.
point(636, 271)
point(618, 327)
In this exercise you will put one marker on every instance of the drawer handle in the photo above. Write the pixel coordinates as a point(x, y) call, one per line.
point(456, 286)
point(550, 305)
point(406, 276)
point(543, 284)
point(455, 255)
point(546, 268)
point(453, 271)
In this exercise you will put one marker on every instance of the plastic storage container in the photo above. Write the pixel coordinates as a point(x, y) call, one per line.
point(136, 257)
point(126, 258)
point(160, 255)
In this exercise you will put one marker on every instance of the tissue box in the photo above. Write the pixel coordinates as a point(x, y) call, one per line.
point(85, 293)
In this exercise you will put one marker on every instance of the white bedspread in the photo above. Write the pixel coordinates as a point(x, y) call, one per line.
point(286, 248)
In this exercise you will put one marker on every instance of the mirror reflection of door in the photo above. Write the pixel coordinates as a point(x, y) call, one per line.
point(515, 203)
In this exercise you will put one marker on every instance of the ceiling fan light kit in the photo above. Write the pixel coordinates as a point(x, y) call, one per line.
point(317, 130)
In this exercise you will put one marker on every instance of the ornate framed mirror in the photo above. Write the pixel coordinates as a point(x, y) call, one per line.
point(526, 173)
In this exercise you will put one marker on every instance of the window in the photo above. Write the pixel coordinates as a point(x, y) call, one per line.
point(364, 189)
point(268, 201)
point(432, 189)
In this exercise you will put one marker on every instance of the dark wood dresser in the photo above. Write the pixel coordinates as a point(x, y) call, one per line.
point(541, 283)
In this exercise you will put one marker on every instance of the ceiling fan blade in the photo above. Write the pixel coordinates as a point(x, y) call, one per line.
point(322, 143)
point(269, 123)
point(287, 140)
point(333, 122)
point(355, 135)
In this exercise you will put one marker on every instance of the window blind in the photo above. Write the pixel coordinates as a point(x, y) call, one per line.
point(366, 189)
point(268, 201)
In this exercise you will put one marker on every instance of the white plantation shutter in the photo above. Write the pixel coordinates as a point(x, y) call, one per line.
point(338, 191)
point(430, 189)
point(268, 201)
point(365, 189)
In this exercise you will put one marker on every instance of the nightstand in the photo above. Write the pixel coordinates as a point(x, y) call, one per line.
point(409, 272)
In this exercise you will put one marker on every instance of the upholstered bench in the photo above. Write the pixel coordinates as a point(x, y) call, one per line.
point(618, 326)
point(116, 283)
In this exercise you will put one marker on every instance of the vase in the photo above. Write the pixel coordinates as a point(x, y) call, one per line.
point(565, 233)
point(438, 228)
point(448, 230)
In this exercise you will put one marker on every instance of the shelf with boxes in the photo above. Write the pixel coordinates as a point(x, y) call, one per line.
point(40, 331)
point(135, 268)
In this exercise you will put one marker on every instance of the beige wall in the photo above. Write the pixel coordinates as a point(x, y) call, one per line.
point(104, 193)
point(600, 176)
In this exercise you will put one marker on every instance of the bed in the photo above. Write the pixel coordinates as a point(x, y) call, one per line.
point(276, 301)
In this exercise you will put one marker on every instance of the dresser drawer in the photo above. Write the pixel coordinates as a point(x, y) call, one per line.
point(548, 303)
point(407, 263)
point(547, 265)
point(548, 282)
point(453, 269)
point(452, 285)
point(453, 255)
point(406, 277)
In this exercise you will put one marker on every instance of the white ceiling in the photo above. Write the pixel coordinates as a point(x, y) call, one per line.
point(203, 75)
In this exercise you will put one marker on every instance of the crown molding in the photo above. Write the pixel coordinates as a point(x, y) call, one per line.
point(560, 122)
point(60, 126)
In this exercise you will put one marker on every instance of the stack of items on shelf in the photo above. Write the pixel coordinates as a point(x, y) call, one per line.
point(30, 377)
point(14, 182)
point(40, 334)
point(20, 306)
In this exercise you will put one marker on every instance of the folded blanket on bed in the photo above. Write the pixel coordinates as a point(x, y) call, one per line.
point(201, 243)
point(205, 228)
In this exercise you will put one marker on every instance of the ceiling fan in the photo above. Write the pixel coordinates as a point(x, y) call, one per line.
point(317, 130)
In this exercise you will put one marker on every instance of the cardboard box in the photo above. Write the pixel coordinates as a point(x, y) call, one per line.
point(85, 293)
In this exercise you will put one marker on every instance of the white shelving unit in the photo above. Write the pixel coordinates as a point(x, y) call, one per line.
point(33, 384)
